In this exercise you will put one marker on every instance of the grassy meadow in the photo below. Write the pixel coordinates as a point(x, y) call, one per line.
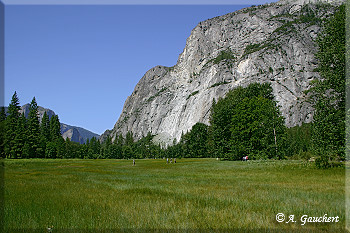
point(193, 194)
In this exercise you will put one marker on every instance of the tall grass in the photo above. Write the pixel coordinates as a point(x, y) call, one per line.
point(206, 194)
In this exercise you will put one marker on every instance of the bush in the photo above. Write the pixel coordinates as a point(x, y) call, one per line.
point(322, 162)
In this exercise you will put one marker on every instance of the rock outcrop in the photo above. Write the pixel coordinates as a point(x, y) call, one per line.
point(272, 43)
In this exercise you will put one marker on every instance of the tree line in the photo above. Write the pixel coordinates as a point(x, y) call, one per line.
point(246, 122)
point(23, 137)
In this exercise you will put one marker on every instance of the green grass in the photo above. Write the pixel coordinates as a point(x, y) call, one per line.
point(90, 195)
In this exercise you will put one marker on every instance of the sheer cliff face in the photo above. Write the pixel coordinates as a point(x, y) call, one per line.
point(272, 43)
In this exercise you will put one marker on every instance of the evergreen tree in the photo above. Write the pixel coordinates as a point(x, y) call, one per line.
point(45, 127)
point(60, 147)
point(2, 114)
point(2, 132)
point(196, 141)
point(34, 131)
point(94, 148)
point(19, 149)
point(106, 148)
point(55, 128)
point(129, 146)
point(11, 126)
point(118, 146)
point(129, 139)
point(51, 150)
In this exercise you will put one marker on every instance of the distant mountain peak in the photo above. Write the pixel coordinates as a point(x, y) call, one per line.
point(74, 133)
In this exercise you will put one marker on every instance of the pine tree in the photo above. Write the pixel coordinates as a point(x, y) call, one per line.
point(128, 148)
point(44, 133)
point(34, 131)
point(118, 149)
point(55, 128)
point(106, 148)
point(20, 139)
point(2, 114)
point(45, 127)
point(2, 132)
point(197, 141)
point(11, 126)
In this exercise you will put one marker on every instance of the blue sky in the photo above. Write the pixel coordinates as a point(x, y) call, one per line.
point(83, 61)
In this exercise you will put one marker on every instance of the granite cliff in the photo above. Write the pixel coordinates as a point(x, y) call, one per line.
point(273, 43)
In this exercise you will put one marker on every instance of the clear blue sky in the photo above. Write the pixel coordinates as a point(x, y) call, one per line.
point(83, 61)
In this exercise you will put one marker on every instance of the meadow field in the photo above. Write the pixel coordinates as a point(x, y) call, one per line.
point(204, 195)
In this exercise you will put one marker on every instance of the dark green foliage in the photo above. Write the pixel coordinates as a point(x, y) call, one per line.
point(252, 48)
point(196, 141)
point(28, 138)
point(11, 127)
point(129, 139)
point(2, 114)
point(219, 84)
point(118, 147)
point(192, 94)
point(298, 141)
point(55, 128)
point(157, 94)
point(223, 111)
point(322, 162)
point(33, 136)
point(328, 94)
point(144, 148)
point(2, 132)
point(332, 54)
point(51, 150)
point(45, 127)
point(246, 122)
point(94, 148)
point(224, 55)
point(106, 148)
point(20, 139)
point(256, 123)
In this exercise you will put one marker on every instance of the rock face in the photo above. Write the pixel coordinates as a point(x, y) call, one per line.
point(41, 111)
point(71, 133)
point(76, 134)
point(272, 43)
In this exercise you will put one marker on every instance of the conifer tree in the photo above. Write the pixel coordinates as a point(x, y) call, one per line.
point(20, 138)
point(34, 130)
point(44, 133)
point(55, 128)
point(10, 126)
point(45, 127)
point(118, 149)
point(2, 131)
point(2, 114)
